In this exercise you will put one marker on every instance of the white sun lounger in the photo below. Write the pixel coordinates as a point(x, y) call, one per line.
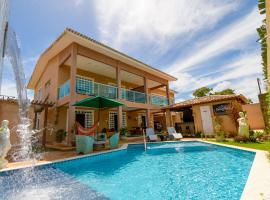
point(173, 134)
point(151, 134)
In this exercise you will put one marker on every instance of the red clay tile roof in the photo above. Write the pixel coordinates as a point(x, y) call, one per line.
point(208, 99)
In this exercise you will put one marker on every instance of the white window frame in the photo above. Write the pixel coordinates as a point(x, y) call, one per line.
point(140, 118)
point(111, 119)
point(91, 121)
point(87, 78)
point(39, 93)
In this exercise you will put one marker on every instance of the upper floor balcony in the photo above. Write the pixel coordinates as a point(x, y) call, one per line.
point(88, 87)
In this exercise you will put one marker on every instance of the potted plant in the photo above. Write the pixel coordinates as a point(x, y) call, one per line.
point(60, 135)
point(123, 132)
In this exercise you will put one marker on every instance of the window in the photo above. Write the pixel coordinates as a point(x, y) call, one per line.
point(84, 85)
point(39, 94)
point(47, 87)
point(38, 121)
point(141, 120)
point(221, 109)
point(113, 119)
point(88, 117)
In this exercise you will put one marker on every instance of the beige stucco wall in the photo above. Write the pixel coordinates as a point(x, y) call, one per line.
point(50, 74)
point(9, 110)
point(254, 114)
point(227, 123)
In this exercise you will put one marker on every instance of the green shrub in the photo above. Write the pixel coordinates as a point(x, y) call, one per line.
point(240, 138)
point(198, 134)
point(254, 135)
point(221, 136)
point(123, 131)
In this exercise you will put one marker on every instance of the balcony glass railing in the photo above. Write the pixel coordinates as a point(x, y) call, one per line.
point(160, 100)
point(134, 96)
point(89, 87)
point(64, 90)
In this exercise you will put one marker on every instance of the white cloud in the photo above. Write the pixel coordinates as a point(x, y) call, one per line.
point(239, 75)
point(232, 37)
point(134, 22)
point(8, 88)
point(221, 86)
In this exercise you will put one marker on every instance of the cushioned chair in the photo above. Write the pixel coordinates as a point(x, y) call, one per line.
point(114, 140)
point(173, 134)
point(84, 144)
point(150, 133)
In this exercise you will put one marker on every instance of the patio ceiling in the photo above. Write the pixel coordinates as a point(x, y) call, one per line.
point(110, 72)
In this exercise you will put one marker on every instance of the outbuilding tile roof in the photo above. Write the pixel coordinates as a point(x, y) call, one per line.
point(208, 99)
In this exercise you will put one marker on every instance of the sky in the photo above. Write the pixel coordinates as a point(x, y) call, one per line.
point(209, 43)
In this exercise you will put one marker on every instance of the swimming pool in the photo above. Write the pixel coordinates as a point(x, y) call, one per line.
point(177, 170)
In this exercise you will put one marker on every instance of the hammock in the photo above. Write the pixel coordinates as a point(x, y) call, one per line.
point(86, 131)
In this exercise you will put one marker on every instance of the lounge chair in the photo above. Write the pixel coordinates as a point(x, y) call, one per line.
point(151, 135)
point(84, 144)
point(173, 134)
point(114, 139)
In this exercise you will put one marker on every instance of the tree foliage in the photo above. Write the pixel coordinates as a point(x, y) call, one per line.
point(206, 91)
point(225, 91)
point(262, 32)
point(203, 91)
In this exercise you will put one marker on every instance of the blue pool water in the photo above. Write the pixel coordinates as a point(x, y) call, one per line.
point(183, 170)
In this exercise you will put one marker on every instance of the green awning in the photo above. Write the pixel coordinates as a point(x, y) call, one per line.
point(98, 102)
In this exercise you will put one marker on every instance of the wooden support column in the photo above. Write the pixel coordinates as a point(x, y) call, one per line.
point(148, 118)
point(119, 96)
point(146, 91)
point(148, 111)
point(71, 109)
point(168, 93)
point(45, 126)
point(168, 118)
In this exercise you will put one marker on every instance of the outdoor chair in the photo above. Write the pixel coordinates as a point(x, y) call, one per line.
point(173, 134)
point(84, 144)
point(151, 135)
point(114, 140)
point(100, 141)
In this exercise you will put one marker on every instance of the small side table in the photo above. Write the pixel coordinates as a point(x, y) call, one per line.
point(99, 145)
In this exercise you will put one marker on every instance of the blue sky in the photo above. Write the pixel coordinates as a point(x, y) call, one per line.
point(201, 42)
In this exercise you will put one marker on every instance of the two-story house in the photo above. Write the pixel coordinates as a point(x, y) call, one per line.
point(75, 67)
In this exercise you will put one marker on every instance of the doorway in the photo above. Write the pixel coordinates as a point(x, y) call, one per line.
point(206, 120)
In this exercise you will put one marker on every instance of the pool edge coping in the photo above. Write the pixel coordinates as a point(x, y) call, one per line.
point(258, 182)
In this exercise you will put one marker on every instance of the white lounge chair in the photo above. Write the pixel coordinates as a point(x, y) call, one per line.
point(173, 134)
point(151, 135)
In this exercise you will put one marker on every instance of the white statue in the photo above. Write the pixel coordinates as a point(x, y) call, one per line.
point(243, 129)
point(5, 145)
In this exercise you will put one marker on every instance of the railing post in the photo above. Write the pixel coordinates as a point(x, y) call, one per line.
point(71, 110)
point(146, 89)
point(168, 94)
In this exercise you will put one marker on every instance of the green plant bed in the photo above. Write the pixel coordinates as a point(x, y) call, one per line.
point(253, 145)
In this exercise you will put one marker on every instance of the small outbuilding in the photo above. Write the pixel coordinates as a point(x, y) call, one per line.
point(201, 114)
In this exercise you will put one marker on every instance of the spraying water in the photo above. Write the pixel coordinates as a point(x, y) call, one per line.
point(10, 48)
point(3, 22)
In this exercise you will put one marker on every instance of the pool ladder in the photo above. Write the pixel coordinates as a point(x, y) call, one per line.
point(144, 140)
